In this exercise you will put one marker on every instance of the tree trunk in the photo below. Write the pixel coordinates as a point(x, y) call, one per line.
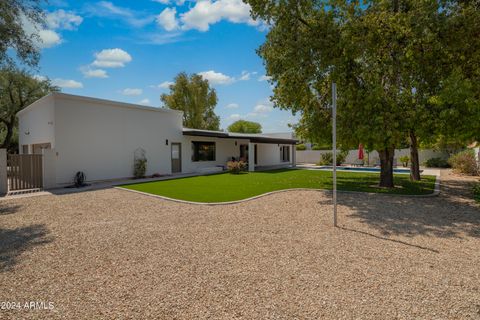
point(386, 167)
point(414, 163)
point(8, 137)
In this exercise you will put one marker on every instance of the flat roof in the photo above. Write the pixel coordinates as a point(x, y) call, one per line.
point(253, 137)
point(56, 95)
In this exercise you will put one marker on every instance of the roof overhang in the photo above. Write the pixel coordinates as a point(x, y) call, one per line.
point(255, 138)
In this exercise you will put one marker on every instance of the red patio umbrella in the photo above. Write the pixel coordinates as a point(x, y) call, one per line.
point(360, 151)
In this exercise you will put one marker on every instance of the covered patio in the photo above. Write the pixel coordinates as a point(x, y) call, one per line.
point(266, 150)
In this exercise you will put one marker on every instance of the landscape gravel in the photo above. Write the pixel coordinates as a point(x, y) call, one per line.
point(114, 254)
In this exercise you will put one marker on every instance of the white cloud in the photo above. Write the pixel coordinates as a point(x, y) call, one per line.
point(39, 77)
point(94, 73)
point(232, 106)
point(245, 76)
point(112, 58)
point(144, 101)
point(264, 78)
point(167, 19)
point(178, 2)
point(216, 77)
point(234, 117)
point(207, 12)
point(107, 9)
point(62, 19)
point(132, 92)
point(162, 38)
point(165, 85)
point(263, 108)
point(63, 83)
point(46, 38)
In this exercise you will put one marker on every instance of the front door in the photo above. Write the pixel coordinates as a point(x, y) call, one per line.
point(176, 157)
point(244, 152)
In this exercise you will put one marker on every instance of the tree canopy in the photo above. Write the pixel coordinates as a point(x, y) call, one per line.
point(193, 95)
point(18, 89)
point(13, 15)
point(244, 126)
point(391, 60)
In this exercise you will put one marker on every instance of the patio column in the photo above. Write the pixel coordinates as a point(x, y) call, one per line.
point(251, 156)
point(294, 155)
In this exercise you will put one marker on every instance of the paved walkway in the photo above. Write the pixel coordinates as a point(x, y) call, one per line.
point(107, 254)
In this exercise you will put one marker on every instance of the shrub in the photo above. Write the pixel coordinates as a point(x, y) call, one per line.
point(321, 147)
point(301, 147)
point(405, 160)
point(436, 163)
point(326, 159)
point(139, 168)
point(476, 192)
point(464, 162)
point(236, 167)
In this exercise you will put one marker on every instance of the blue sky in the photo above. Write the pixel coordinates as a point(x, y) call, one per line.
point(130, 51)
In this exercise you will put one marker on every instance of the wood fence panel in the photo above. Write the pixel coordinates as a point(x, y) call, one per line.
point(25, 171)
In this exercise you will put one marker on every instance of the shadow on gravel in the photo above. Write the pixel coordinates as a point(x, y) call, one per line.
point(453, 214)
point(388, 239)
point(8, 209)
point(13, 242)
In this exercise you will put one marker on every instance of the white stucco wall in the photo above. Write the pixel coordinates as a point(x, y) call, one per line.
point(37, 123)
point(313, 156)
point(100, 139)
point(269, 154)
point(225, 149)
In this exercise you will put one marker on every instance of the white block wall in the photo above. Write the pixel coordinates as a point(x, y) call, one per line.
point(313, 156)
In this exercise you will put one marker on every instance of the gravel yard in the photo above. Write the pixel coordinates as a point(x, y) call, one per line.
point(115, 254)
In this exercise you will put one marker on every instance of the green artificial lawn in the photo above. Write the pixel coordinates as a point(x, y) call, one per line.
point(229, 187)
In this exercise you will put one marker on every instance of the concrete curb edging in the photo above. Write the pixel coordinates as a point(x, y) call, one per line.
point(435, 193)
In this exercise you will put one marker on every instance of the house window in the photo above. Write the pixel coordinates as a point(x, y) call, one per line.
point(203, 151)
point(285, 153)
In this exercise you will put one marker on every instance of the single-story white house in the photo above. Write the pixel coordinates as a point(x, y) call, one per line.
point(100, 138)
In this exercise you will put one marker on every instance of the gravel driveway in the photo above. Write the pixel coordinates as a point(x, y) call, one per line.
point(115, 254)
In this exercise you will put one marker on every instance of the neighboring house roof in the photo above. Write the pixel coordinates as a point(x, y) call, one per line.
point(253, 137)
point(98, 101)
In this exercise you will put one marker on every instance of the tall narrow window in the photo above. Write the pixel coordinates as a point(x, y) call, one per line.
point(203, 151)
point(285, 153)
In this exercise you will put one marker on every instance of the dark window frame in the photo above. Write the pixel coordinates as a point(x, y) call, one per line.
point(204, 151)
point(285, 153)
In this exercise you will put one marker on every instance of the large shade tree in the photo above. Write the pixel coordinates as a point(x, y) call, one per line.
point(244, 126)
point(13, 35)
point(18, 89)
point(193, 95)
point(367, 49)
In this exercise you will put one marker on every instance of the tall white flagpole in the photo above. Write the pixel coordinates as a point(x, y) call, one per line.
point(334, 145)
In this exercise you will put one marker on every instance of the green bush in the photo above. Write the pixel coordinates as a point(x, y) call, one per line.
point(464, 162)
point(321, 147)
point(139, 168)
point(436, 163)
point(236, 167)
point(476, 192)
point(301, 147)
point(405, 160)
point(326, 159)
